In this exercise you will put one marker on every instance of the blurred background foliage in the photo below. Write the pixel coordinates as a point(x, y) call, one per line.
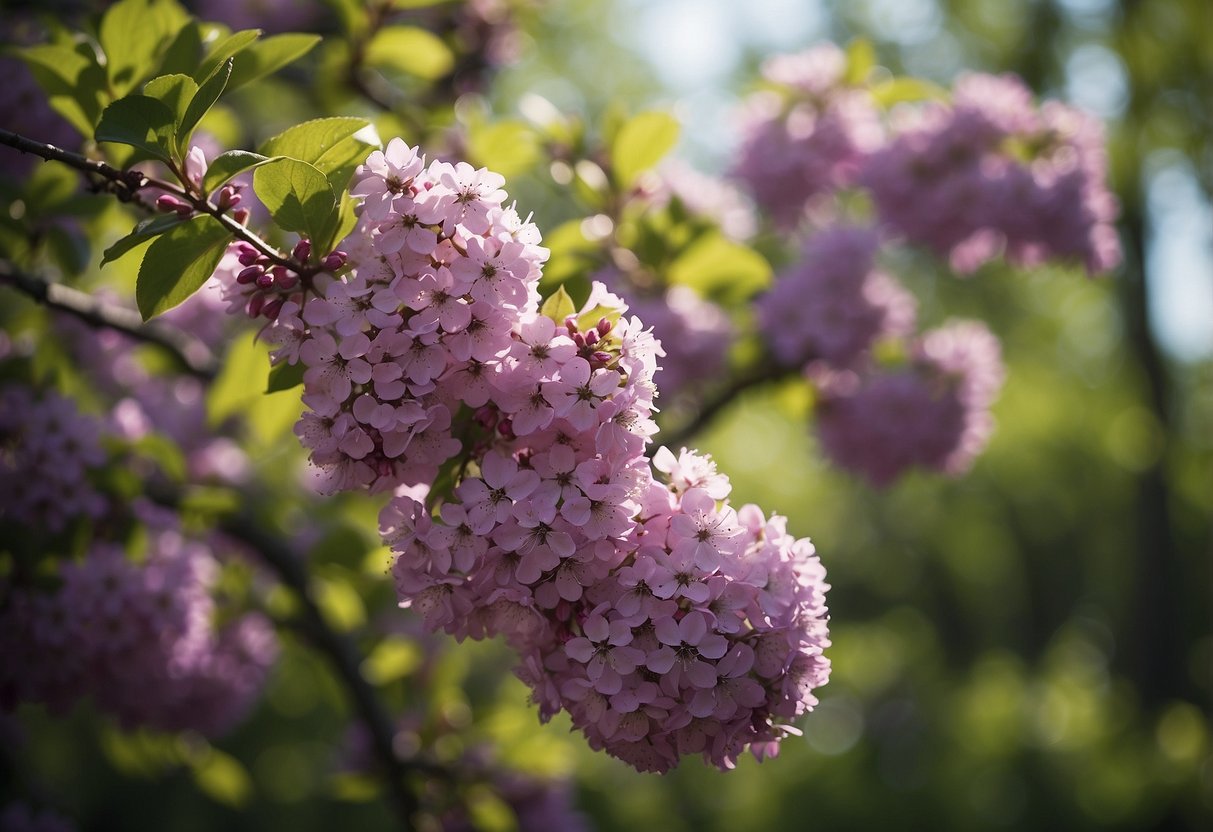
point(1028, 647)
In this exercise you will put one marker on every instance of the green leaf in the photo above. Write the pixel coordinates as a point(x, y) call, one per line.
point(342, 224)
point(640, 144)
point(226, 165)
point(285, 377)
point(140, 121)
point(558, 306)
point(72, 79)
point(204, 98)
point(178, 263)
point(340, 602)
point(311, 140)
point(134, 34)
point(393, 659)
point(718, 267)
point(184, 53)
point(297, 196)
point(174, 91)
point(239, 382)
point(901, 90)
point(269, 55)
point(861, 60)
point(145, 231)
point(233, 44)
point(223, 778)
point(335, 146)
point(411, 50)
point(508, 147)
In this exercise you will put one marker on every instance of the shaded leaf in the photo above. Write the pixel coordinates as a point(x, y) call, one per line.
point(285, 377)
point(134, 34)
point(140, 121)
point(226, 165)
point(223, 778)
point(720, 268)
point(146, 230)
point(174, 91)
point(225, 48)
point(203, 99)
point(73, 81)
point(178, 262)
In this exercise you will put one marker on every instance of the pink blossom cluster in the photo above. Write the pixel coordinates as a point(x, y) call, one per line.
point(834, 303)
point(142, 640)
point(932, 413)
point(442, 272)
point(666, 622)
point(807, 135)
point(992, 173)
point(47, 449)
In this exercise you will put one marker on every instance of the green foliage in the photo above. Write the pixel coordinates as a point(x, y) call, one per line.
point(178, 262)
point(142, 122)
point(204, 98)
point(558, 306)
point(144, 232)
point(411, 50)
point(134, 34)
point(229, 164)
point(73, 80)
point(718, 267)
point(284, 377)
point(266, 56)
point(334, 146)
point(298, 197)
point(640, 144)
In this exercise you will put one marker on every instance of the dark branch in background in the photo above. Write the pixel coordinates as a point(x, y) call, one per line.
point(193, 355)
point(765, 371)
point(126, 183)
point(343, 655)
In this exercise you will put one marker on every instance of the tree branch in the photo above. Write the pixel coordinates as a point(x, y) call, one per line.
point(128, 182)
point(761, 373)
point(193, 355)
point(343, 655)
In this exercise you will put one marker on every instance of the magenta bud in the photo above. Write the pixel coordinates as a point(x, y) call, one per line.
point(254, 305)
point(168, 202)
point(265, 281)
point(603, 357)
point(271, 309)
point(604, 326)
point(591, 337)
point(279, 272)
point(241, 215)
point(287, 281)
point(248, 257)
point(302, 250)
point(506, 428)
point(249, 274)
point(335, 261)
point(228, 197)
point(570, 323)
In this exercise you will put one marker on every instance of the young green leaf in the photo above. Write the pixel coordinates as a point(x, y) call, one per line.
point(240, 381)
point(148, 229)
point(411, 50)
point(640, 144)
point(204, 98)
point(311, 140)
point(269, 55)
point(184, 53)
point(174, 91)
point(226, 165)
point(285, 377)
point(140, 121)
point(718, 267)
point(297, 196)
point(558, 306)
point(225, 48)
point(341, 224)
point(178, 262)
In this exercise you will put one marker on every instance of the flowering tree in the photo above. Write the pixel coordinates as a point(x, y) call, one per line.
point(361, 292)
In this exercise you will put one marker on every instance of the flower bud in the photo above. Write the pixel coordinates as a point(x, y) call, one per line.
point(271, 309)
point(256, 302)
point(249, 275)
point(302, 250)
point(265, 280)
point(335, 261)
point(241, 215)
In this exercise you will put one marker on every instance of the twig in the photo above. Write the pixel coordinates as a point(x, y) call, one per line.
point(129, 182)
point(761, 373)
point(193, 355)
point(344, 657)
